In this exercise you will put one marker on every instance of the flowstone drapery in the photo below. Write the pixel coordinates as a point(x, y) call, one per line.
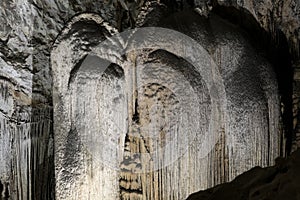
point(151, 114)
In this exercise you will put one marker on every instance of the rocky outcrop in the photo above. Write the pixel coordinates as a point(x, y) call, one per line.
point(279, 182)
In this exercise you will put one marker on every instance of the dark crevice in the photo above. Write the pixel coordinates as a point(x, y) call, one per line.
point(127, 140)
point(6, 191)
point(136, 117)
point(131, 191)
point(1, 189)
point(114, 70)
point(74, 71)
point(4, 78)
point(87, 30)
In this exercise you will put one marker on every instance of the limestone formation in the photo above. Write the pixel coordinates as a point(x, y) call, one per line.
point(116, 127)
point(259, 114)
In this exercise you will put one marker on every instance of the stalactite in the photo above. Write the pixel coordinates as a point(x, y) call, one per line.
point(245, 140)
point(157, 127)
point(25, 149)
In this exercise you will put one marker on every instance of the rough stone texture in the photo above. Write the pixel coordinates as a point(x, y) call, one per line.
point(94, 127)
point(278, 182)
point(27, 31)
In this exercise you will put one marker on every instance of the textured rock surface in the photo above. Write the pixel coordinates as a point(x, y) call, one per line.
point(278, 183)
point(27, 32)
point(115, 146)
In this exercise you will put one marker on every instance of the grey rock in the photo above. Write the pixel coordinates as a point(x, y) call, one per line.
point(28, 30)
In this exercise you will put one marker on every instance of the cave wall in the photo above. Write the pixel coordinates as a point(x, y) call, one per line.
point(222, 110)
point(28, 31)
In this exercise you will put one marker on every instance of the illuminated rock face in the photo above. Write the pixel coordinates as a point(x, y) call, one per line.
point(28, 31)
point(155, 125)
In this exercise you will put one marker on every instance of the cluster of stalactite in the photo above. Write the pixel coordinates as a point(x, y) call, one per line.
point(26, 155)
point(137, 129)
